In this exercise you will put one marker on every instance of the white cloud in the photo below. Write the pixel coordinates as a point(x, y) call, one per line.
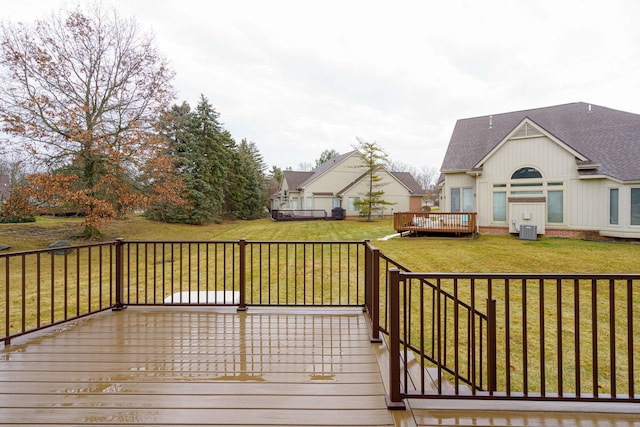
point(299, 77)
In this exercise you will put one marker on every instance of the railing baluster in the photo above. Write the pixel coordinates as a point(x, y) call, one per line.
point(491, 346)
point(543, 382)
point(630, 341)
point(576, 334)
point(559, 333)
point(525, 338)
point(594, 336)
point(612, 338)
point(507, 331)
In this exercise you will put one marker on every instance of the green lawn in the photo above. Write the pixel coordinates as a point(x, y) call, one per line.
point(505, 254)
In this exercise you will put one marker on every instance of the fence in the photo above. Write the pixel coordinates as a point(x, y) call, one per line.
point(50, 286)
point(541, 337)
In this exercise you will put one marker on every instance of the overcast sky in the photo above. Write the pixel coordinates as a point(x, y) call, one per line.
point(298, 77)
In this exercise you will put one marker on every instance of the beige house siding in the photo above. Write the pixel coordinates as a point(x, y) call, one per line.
point(394, 192)
point(586, 201)
point(334, 184)
point(455, 180)
point(581, 151)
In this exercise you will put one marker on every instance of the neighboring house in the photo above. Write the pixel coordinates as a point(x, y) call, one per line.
point(339, 182)
point(570, 170)
point(5, 187)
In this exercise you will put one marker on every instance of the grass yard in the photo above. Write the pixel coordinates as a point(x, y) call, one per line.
point(498, 254)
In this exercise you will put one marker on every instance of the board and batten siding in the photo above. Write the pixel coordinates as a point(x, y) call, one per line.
point(394, 192)
point(585, 201)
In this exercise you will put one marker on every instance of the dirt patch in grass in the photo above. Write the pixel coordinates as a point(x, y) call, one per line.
point(30, 236)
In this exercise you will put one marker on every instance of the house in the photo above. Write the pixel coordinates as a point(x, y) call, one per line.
point(339, 182)
point(566, 170)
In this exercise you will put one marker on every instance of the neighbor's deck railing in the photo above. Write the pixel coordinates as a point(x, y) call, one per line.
point(505, 336)
point(435, 222)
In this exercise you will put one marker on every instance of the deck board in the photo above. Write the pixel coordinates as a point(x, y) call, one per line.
point(191, 366)
point(197, 366)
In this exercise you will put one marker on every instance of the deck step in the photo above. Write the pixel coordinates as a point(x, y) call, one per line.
point(430, 375)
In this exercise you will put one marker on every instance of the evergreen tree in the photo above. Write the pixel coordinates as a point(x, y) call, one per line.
point(325, 156)
point(373, 158)
point(197, 142)
point(236, 182)
point(254, 201)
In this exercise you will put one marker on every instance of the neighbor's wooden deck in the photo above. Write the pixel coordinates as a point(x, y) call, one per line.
point(435, 222)
point(197, 366)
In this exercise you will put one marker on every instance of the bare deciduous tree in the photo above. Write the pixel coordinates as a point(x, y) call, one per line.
point(82, 91)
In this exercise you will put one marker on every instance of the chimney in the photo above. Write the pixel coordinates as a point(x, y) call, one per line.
point(490, 122)
point(589, 107)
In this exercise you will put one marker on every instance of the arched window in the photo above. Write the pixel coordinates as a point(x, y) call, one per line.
point(527, 172)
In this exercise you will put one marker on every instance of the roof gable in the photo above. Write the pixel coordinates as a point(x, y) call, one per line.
point(295, 178)
point(600, 135)
point(404, 178)
point(326, 166)
point(527, 129)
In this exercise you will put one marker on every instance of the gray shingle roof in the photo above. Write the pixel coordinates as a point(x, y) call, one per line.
point(325, 167)
point(409, 181)
point(610, 138)
point(295, 178)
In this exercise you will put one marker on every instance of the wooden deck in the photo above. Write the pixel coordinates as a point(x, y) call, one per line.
point(435, 222)
point(199, 366)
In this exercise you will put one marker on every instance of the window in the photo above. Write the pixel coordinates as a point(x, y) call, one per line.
point(555, 206)
point(455, 200)
point(467, 200)
point(294, 203)
point(352, 205)
point(528, 181)
point(462, 199)
point(337, 202)
point(635, 206)
point(500, 206)
point(613, 206)
point(309, 202)
point(526, 173)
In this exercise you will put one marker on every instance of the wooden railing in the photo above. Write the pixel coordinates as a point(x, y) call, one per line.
point(435, 222)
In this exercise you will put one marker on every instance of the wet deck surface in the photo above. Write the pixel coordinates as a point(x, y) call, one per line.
point(161, 366)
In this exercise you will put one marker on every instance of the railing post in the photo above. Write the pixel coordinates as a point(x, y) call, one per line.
point(491, 345)
point(119, 305)
point(374, 314)
point(242, 245)
point(394, 398)
point(367, 277)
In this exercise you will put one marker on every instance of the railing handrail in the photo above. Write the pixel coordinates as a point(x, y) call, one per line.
point(546, 276)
